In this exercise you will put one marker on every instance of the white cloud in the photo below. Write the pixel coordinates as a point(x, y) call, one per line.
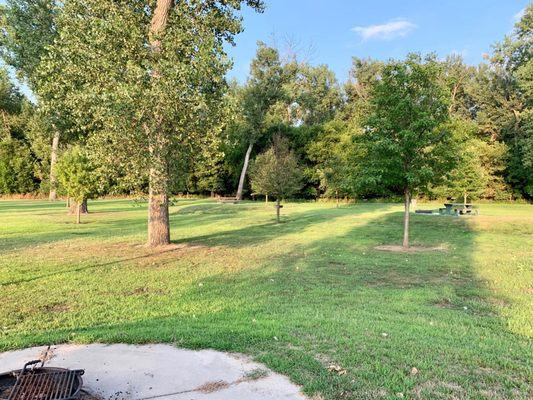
point(390, 30)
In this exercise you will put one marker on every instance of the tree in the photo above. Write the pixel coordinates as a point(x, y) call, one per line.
point(502, 91)
point(404, 146)
point(75, 173)
point(263, 89)
point(276, 173)
point(28, 28)
point(144, 106)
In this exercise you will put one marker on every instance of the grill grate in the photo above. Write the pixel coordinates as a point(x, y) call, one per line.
point(56, 385)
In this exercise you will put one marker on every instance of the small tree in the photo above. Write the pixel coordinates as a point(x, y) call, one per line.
point(404, 146)
point(276, 173)
point(76, 174)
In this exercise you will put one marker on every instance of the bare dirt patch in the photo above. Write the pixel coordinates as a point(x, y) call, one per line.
point(411, 249)
point(56, 307)
point(211, 387)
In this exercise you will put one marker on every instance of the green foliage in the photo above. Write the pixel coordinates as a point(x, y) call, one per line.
point(363, 74)
point(262, 90)
point(76, 174)
point(503, 93)
point(149, 107)
point(275, 172)
point(330, 153)
point(16, 167)
point(28, 27)
point(405, 145)
point(312, 97)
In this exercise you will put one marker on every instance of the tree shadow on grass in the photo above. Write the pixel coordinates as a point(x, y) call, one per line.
point(339, 301)
point(201, 215)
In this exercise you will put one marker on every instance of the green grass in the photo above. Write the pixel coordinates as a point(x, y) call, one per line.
point(299, 296)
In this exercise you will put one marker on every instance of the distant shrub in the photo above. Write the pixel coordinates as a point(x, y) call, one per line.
point(16, 168)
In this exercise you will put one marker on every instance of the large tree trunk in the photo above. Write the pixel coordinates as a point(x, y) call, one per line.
point(53, 162)
point(244, 169)
point(158, 221)
point(406, 218)
point(74, 208)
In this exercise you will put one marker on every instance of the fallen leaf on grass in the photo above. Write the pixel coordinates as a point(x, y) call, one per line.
point(337, 368)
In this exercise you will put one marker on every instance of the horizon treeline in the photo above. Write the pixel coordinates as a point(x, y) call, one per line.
point(321, 119)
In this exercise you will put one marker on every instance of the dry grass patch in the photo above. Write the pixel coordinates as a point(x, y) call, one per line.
point(411, 249)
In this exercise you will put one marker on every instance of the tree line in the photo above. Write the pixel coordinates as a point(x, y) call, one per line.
point(131, 97)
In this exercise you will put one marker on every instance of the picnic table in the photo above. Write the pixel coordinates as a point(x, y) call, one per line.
point(233, 199)
point(459, 209)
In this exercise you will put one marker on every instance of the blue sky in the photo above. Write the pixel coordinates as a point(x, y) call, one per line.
point(333, 31)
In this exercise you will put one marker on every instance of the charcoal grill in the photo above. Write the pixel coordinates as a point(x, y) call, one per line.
point(41, 383)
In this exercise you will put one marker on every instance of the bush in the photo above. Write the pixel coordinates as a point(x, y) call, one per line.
point(16, 168)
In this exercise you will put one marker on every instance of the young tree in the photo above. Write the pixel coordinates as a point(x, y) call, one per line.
point(404, 145)
point(276, 173)
point(263, 89)
point(75, 173)
point(146, 80)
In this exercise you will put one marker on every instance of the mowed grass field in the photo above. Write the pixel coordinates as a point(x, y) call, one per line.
point(300, 296)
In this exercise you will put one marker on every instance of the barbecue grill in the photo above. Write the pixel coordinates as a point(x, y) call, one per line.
point(41, 383)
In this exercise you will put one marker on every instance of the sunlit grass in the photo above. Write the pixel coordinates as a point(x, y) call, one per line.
point(298, 296)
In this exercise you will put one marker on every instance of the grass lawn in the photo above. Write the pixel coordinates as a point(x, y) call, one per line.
point(299, 296)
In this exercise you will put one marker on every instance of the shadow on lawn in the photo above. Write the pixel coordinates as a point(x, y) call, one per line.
point(196, 215)
point(337, 300)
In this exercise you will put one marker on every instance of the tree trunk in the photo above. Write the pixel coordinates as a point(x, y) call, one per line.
point(464, 198)
point(337, 196)
point(53, 162)
point(278, 207)
point(243, 172)
point(78, 212)
point(406, 219)
point(266, 198)
point(158, 221)
point(74, 207)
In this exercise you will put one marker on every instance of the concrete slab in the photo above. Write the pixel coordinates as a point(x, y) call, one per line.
point(129, 372)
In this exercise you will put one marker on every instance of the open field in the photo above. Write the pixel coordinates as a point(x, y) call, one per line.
point(299, 296)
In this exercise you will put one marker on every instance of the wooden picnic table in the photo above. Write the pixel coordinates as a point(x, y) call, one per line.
point(459, 209)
